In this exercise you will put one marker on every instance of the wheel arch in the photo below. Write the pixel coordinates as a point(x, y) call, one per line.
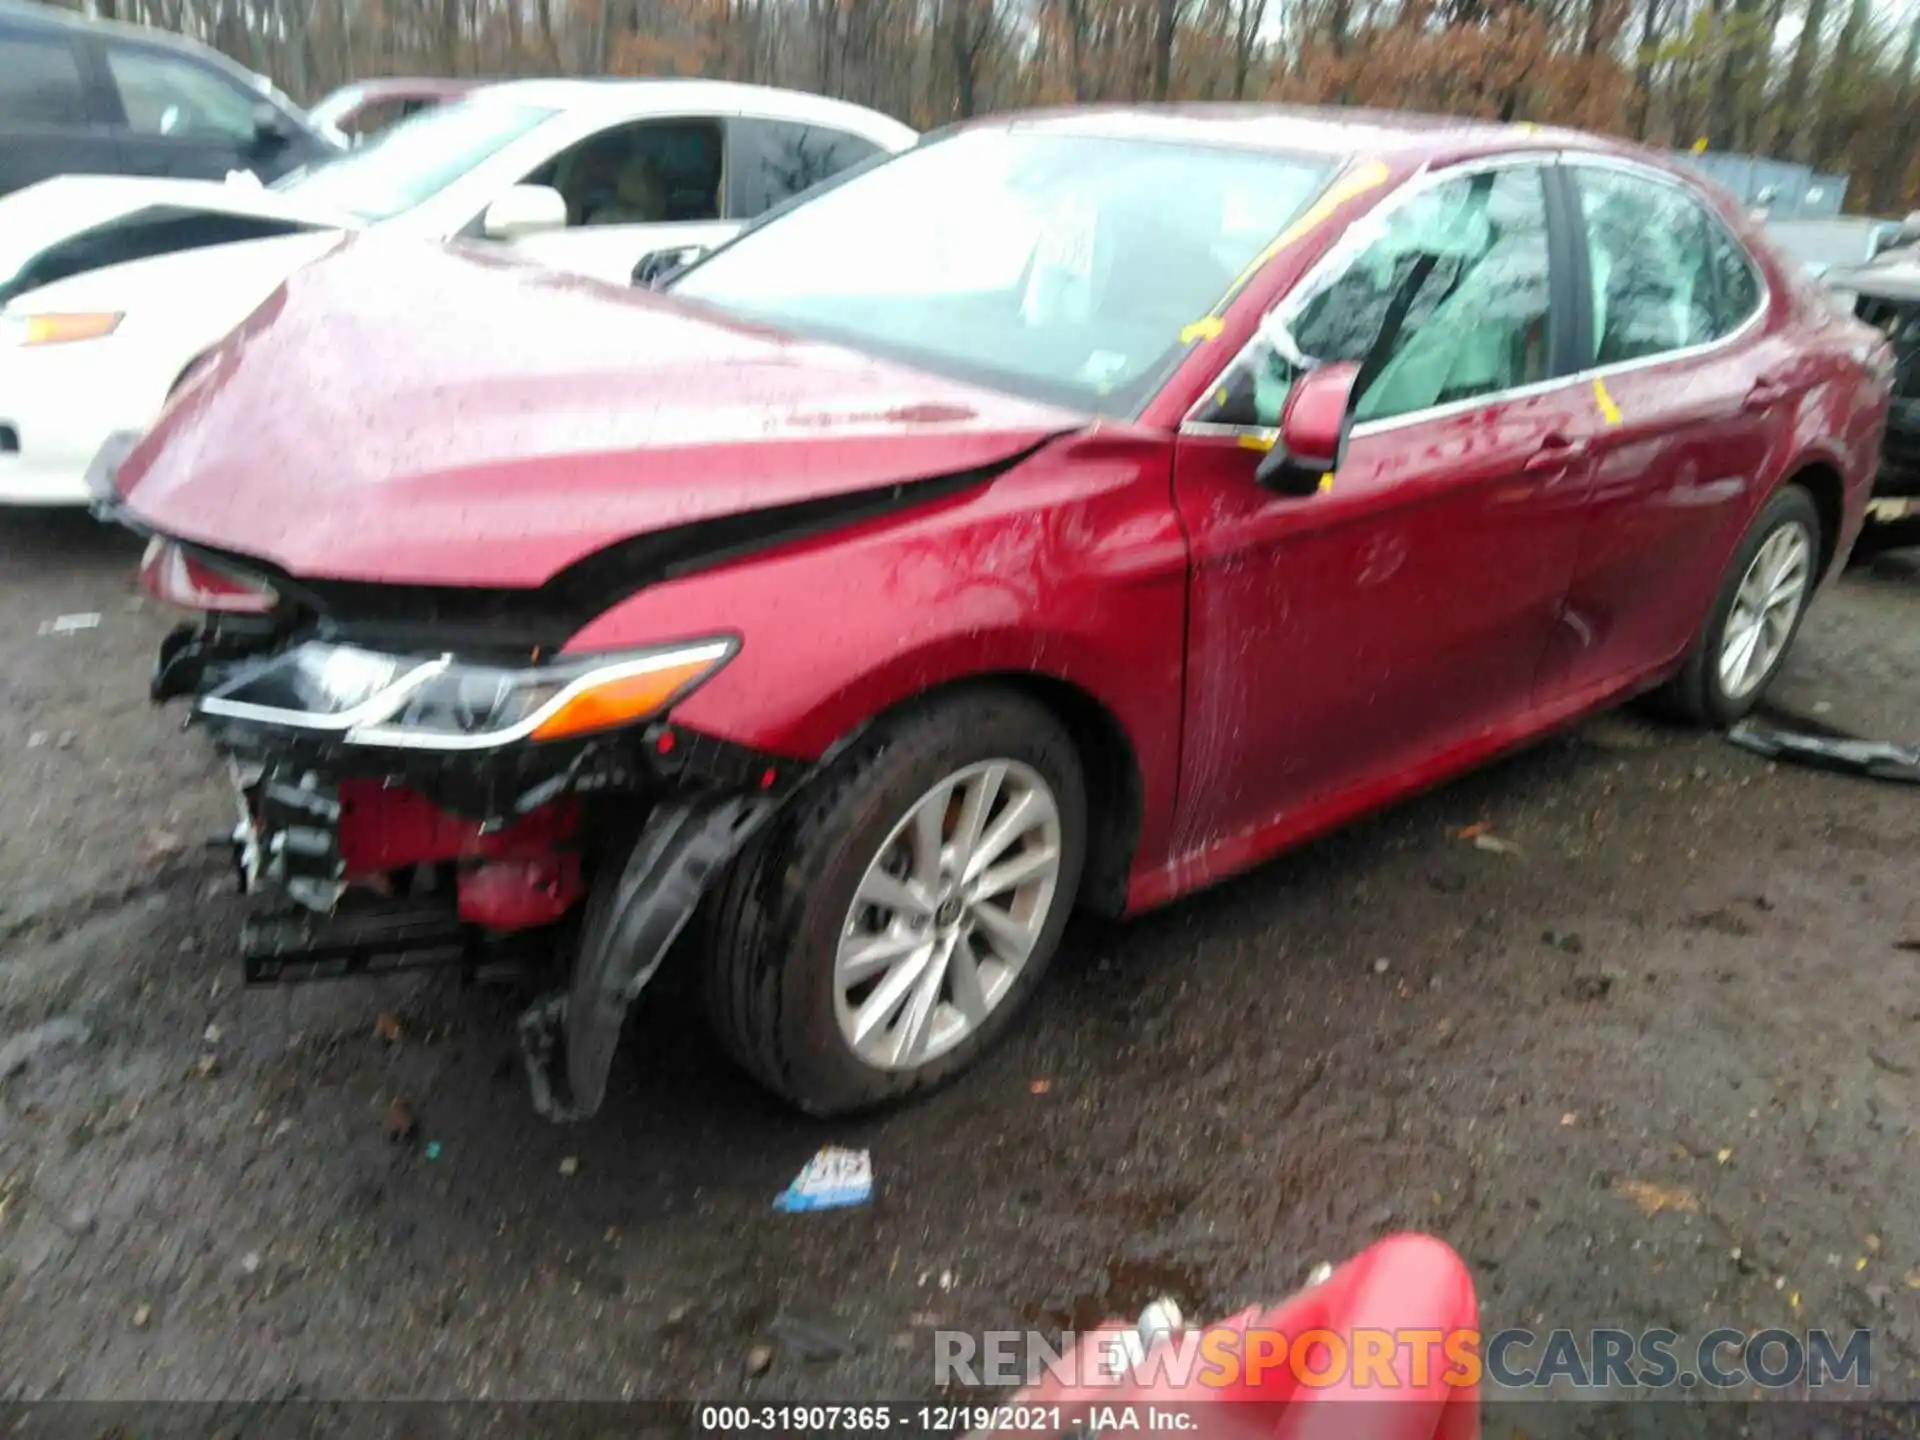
point(1821, 478)
point(1115, 785)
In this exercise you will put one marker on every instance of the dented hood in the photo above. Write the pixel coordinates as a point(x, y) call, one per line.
point(426, 415)
point(68, 205)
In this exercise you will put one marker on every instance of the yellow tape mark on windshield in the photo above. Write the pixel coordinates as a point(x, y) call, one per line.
point(1605, 401)
point(1326, 482)
point(1368, 175)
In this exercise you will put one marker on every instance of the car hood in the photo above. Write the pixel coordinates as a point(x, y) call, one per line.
point(419, 414)
point(44, 215)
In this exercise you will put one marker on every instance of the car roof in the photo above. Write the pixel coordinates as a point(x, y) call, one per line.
point(1333, 131)
point(28, 15)
point(671, 95)
point(408, 87)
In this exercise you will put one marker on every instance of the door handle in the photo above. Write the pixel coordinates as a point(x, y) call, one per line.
point(1556, 452)
point(1764, 395)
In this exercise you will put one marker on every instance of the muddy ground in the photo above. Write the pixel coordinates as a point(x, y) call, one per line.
point(1693, 990)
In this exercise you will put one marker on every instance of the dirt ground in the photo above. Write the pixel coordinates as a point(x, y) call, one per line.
point(1692, 990)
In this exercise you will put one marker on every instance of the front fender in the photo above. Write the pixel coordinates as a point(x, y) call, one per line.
point(1070, 567)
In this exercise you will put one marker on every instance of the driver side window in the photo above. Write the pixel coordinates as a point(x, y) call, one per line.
point(1447, 301)
point(655, 172)
point(164, 95)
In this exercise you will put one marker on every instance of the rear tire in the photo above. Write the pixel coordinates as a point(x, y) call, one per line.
point(803, 962)
point(1756, 614)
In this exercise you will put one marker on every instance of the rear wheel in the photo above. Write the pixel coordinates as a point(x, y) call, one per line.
point(881, 938)
point(1755, 615)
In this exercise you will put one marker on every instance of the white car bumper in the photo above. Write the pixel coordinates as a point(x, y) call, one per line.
point(58, 405)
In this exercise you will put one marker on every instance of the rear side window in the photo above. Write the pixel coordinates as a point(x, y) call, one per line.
point(770, 161)
point(165, 95)
point(40, 82)
point(1666, 274)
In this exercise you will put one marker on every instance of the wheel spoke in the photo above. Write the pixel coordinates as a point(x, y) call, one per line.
point(880, 888)
point(963, 977)
point(980, 795)
point(1021, 815)
point(929, 826)
point(1739, 656)
point(879, 1007)
point(1027, 865)
point(1011, 940)
point(911, 1037)
point(877, 953)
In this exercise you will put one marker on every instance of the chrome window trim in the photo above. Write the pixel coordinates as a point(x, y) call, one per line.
point(1340, 252)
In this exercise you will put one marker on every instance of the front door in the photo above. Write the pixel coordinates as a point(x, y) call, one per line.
point(1347, 645)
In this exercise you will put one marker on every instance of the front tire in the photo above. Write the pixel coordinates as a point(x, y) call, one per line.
point(885, 934)
point(1755, 616)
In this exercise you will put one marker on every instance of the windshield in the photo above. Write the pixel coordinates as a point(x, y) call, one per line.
point(415, 160)
point(1060, 266)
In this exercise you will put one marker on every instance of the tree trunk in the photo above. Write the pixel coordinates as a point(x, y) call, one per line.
point(1830, 131)
point(1166, 21)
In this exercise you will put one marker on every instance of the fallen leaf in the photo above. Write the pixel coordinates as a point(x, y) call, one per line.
point(1039, 1087)
point(1913, 1279)
point(570, 1165)
point(1495, 845)
point(1873, 1244)
point(1723, 1154)
point(1652, 1197)
point(387, 1027)
point(141, 1315)
point(1569, 1120)
point(400, 1123)
point(1474, 831)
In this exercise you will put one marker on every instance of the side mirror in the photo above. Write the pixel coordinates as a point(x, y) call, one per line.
point(524, 210)
point(657, 267)
point(1313, 430)
point(271, 129)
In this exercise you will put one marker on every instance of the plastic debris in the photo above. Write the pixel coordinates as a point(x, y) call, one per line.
point(433, 1149)
point(1494, 844)
point(832, 1179)
point(1833, 750)
point(70, 624)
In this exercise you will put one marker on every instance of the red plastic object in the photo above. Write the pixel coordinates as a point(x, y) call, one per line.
point(1411, 1291)
point(527, 873)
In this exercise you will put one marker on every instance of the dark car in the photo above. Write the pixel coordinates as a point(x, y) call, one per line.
point(81, 96)
point(1885, 292)
point(1070, 511)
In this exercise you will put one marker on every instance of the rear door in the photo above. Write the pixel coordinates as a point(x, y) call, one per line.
point(1691, 391)
point(1348, 645)
point(184, 118)
point(49, 123)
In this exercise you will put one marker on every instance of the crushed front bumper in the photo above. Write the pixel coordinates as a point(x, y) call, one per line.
point(399, 857)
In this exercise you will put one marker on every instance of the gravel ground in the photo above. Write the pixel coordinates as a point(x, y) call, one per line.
point(1657, 1066)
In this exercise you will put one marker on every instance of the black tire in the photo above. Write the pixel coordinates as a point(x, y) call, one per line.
point(1697, 692)
point(775, 920)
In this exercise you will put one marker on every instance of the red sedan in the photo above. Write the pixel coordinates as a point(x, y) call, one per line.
point(1072, 511)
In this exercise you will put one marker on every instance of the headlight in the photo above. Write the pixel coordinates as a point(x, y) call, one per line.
point(367, 697)
point(57, 328)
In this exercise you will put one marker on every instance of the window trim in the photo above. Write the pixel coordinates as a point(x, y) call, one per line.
point(759, 118)
point(1557, 166)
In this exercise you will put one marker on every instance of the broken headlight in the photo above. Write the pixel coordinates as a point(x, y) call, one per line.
point(370, 697)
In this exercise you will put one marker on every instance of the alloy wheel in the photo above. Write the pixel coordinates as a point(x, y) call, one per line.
point(947, 914)
point(1765, 608)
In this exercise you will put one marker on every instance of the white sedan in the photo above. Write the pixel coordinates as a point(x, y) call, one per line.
point(111, 288)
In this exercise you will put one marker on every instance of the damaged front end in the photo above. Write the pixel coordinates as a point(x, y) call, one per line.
point(416, 799)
